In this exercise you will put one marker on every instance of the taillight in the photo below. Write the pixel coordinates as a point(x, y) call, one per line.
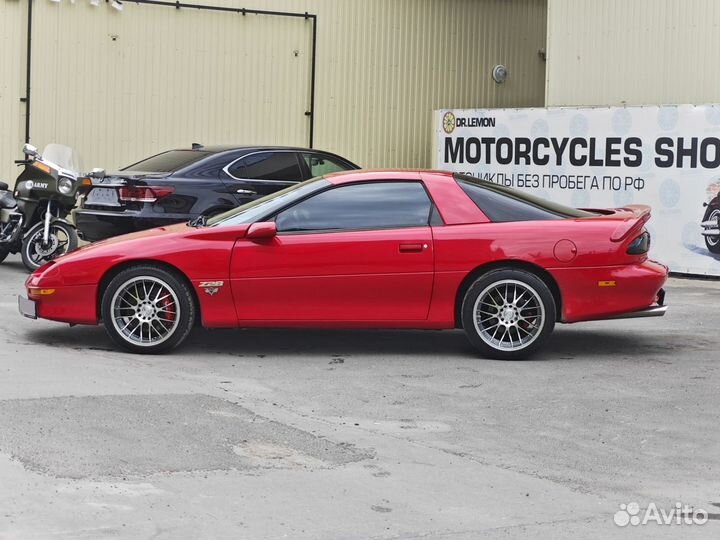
point(144, 193)
point(640, 245)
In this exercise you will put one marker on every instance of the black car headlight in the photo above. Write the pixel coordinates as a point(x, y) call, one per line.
point(65, 185)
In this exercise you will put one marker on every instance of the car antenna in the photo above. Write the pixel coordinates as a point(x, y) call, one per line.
point(197, 146)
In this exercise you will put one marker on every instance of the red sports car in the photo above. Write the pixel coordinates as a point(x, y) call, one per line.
point(365, 249)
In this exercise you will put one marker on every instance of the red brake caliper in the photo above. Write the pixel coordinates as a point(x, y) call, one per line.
point(169, 312)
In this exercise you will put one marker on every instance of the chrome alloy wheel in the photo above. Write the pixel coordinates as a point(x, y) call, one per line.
point(509, 315)
point(145, 311)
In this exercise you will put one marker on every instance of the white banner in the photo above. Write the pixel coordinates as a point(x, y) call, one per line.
point(664, 156)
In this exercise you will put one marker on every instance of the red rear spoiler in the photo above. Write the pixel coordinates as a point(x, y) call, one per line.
point(640, 213)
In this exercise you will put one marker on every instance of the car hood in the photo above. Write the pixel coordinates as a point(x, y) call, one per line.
point(151, 243)
point(127, 245)
point(146, 234)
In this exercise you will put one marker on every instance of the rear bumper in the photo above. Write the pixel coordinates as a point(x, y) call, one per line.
point(612, 292)
point(94, 225)
point(655, 311)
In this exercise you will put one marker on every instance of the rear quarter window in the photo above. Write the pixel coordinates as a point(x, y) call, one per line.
point(502, 204)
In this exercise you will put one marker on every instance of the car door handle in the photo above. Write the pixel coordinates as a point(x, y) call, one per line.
point(412, 248)
point(246, 192)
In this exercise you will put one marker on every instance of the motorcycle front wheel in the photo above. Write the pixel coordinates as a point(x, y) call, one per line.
point(61, 240)
point(3, 253)
point(712, 242)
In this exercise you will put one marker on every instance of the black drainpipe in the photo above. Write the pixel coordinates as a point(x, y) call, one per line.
point(177, 5)
point(26, 99)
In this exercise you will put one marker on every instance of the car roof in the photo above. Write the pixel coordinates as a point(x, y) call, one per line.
point(379, 175)
point(219, 148)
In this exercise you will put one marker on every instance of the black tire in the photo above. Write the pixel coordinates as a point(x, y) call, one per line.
point(145, 314)
point(31, 244)
point(507, 317)
point(712, 242)
point(3, 253)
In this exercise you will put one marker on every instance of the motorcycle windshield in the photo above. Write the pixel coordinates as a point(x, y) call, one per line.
point(62, 156)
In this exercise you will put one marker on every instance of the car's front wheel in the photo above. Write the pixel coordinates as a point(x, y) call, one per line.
point(508, 313)
point(147, 309)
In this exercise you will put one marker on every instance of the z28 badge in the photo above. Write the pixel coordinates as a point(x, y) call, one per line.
point(211, 287)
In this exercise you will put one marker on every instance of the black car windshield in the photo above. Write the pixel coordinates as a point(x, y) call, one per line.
point(168, 162)
point(268, 205)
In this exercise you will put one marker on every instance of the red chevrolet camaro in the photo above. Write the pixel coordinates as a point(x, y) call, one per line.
point(365, 249)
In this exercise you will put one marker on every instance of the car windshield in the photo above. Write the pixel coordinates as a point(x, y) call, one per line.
point(167, 162)
point(257, 209)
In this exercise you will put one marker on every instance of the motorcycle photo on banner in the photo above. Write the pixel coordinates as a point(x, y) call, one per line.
point(33, 217)
point(665, 156)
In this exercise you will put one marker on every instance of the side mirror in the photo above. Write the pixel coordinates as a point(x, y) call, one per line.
point(261, 230)
point(30, 150)
point(97, 173)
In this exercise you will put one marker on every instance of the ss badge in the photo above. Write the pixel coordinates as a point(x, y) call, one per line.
point(211, 287)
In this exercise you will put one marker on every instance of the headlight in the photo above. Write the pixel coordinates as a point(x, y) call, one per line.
point(65, 185)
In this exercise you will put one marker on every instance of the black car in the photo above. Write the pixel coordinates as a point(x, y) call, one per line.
point(179, 185)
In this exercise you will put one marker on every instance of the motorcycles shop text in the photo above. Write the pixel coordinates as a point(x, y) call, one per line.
point(683, 152)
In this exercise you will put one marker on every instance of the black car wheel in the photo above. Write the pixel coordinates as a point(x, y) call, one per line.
point(148, 310)
point(508, 313)
point(713, 242)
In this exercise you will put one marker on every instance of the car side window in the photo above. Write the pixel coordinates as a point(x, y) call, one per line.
point(379, 205)
point(268, 166)
point(320, 165)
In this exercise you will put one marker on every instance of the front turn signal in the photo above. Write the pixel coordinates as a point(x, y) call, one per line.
point(37, 291)
point(44, 168)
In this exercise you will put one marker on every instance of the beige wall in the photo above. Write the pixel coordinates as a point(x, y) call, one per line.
point(12, 86)
point(119, 86)
point(611, 52)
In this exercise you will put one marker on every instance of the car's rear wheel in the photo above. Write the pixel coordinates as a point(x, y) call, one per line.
point(508, 313)
point(148, 310)
point(712, 242)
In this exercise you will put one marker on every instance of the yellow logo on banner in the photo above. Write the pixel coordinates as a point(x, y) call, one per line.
point(449, 122)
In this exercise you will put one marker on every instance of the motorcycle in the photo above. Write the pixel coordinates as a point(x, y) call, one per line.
point(33, 218)
point(711, 225)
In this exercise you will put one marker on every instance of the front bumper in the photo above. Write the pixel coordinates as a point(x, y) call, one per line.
point(27, 307)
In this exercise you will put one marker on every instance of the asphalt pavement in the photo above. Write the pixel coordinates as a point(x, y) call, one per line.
point(307, 434)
